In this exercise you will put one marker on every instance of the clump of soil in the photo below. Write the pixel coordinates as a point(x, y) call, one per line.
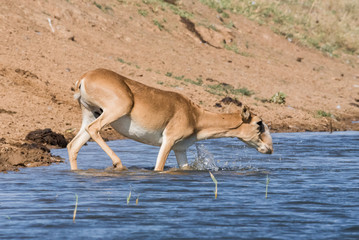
point(48, 137)
point(32, 152)
point(15, 155)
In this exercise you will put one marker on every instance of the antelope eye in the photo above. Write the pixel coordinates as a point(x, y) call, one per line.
point(260, 126)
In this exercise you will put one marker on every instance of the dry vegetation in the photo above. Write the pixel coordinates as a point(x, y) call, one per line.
point(330, 26)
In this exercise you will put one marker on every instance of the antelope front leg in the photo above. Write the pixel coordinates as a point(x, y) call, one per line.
point(80, 139)
point(74, 146)
point(163, 154)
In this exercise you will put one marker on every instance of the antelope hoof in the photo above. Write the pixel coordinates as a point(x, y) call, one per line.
point(187, 168)
point(119, 168)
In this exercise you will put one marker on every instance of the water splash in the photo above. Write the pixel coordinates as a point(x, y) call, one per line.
point(204, 159)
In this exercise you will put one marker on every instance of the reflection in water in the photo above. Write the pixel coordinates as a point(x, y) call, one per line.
point(312, 194)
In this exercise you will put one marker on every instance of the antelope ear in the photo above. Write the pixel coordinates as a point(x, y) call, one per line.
point(246, 114)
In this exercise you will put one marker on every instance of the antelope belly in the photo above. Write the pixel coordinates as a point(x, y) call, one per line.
point(131, 129)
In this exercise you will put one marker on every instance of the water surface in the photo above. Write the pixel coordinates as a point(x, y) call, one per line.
point(313, 193)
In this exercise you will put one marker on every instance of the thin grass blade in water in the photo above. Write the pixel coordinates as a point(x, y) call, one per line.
point(215, 182)
point(75, 210)
point(128, 198)
point(267, 183)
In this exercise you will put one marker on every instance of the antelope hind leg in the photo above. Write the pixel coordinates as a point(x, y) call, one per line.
point(94, 130)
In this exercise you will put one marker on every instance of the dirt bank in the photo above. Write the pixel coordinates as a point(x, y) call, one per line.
point(15, 155)
point(47, 45)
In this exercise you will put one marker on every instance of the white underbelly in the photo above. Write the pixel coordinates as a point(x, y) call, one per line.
point(130, 129)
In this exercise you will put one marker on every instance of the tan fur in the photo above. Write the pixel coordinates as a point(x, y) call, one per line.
point(155, 117)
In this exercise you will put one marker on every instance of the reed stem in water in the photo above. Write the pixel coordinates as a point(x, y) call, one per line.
point(267, 183)
point(75, 210)
point(215, 182)
point(128, 198)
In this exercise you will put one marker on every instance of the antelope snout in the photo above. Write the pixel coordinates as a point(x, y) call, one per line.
point(265, 149)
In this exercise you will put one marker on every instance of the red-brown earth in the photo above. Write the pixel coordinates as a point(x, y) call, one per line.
point(47, 45)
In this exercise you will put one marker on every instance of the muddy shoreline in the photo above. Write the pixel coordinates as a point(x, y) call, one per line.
point(35, 151)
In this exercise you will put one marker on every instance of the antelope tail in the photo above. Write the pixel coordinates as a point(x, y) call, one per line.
point(77, 94)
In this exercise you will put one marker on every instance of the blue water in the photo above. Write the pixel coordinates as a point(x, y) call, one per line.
point(313, 193)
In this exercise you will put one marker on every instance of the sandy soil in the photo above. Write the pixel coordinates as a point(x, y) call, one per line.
point(47, 45)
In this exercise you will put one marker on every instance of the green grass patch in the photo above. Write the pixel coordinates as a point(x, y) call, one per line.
point(220, 89)
point(245, 54)
point(104, 8)
point(180, 12)
point(179, 77)
point(242, 91)
point(234, 48)
point(128, 63)
point(159, 25)
point(225, 15)
point(278, 98)
point(143, 12)
point(231, 47)
point(223, 89)
point(160, 4)
point(198, 82)
point(321, 113)
point(229, 25)
point(123, 61)
point(185, 80)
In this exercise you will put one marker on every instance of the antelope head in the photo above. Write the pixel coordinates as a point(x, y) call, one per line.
point(254, 132)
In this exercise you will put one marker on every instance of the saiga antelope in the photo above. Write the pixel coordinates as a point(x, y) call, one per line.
point(156, 117)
